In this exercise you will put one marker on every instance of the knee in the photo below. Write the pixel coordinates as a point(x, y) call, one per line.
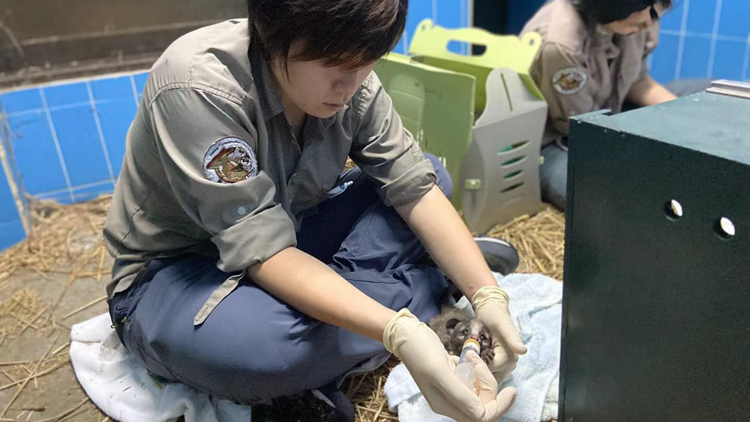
point(279, 346)
point(443, 178)
point(287, 363)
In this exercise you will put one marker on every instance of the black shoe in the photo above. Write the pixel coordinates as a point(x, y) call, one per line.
point(500, 255)
point(326, 404)
point(333, 396)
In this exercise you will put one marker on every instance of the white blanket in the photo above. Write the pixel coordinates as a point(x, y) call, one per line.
point(120, 386)
point(536, 308)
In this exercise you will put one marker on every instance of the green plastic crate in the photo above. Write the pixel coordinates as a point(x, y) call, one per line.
point(430, 46)
point(435, 105)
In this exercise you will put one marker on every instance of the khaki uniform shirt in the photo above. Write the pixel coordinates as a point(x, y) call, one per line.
point(581, 69)
point(212, 165)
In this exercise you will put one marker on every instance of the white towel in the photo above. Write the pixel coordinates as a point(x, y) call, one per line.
point(120, 386)
point(536, 308)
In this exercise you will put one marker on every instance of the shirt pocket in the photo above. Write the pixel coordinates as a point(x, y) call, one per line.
point(326, 188)
point(339, 185)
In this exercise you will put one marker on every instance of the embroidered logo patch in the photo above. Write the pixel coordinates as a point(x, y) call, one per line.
point(230, 160)
point(570, 80)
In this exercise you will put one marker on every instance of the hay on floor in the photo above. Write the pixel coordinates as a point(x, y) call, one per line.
point(540, 240)
point(64, 238)
point(68, 240)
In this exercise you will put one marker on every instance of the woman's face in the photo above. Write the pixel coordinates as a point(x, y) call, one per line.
point(637, 21)
point(317, 89)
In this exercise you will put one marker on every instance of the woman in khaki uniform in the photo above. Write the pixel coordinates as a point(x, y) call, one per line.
point(247, 266)
point(593, 56)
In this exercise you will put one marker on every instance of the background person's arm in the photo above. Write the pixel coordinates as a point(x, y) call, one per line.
point(647, 92)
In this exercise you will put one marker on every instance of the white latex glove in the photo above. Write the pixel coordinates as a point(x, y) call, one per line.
point(491, 307)
point(423, 354)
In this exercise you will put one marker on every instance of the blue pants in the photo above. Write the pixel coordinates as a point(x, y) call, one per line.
point(254, 347)
point(553, 174)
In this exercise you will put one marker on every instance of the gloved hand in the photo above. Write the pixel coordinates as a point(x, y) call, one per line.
point(491, 307)
point(485, 384)
point(421, 351)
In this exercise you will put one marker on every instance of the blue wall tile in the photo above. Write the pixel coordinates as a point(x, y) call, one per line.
point(140, 81)
point(80, 194)
point(672, 19)
point(112, 89)
point(452, 14)
point(701, 15)
point(80, 144)
point(20, 101)
point(449, 14)
point(735, 18)
point(729, 60)
point(8, 209)
point(11, 233)
point(63, 197)
point(695, 58)
point(65, 95)
point(115, 118)
point(418, 10)
point(10, 156)
point(729, 54)
point(665, 57)
point(35, 153)
point(92, 192)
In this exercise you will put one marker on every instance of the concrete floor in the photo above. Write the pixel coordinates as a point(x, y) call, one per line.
point(58, 391)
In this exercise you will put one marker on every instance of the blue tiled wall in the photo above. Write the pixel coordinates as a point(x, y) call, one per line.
point(68, 141)
point(12, 228)
point(704, 39)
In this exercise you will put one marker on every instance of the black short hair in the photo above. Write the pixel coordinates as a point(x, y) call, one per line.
point(351, 33)
point(607, 11)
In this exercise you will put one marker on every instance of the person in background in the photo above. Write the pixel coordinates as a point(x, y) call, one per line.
point(593, 56)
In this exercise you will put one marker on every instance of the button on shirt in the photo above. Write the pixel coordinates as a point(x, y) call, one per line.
point(212, 166)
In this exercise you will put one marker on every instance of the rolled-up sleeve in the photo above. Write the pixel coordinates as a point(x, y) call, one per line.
point(386, 151)
point(242, 219)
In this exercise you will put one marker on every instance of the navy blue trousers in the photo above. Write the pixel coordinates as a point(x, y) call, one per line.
point(253, 346)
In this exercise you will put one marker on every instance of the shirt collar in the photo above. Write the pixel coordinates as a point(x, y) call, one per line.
point(603, 39)
point(265, 83)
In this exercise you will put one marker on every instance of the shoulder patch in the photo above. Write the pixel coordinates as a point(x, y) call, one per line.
point(230, 160)
point(570, 80)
